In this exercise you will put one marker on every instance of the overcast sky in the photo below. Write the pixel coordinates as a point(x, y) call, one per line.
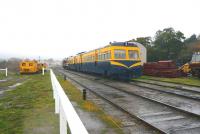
point(60, 28)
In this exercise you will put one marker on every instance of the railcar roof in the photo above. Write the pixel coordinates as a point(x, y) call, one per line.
point(128, 44)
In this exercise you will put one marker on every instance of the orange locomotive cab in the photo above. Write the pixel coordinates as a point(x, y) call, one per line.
point(29, 66)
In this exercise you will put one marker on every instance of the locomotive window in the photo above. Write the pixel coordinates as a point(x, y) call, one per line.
point(133, 54)
point(23, 64)
point(120, 54)
point(30, 64)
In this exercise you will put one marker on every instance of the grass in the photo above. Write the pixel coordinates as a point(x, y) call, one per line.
point(29, 108)
point(2, 75)
point(75, 95)
point(12, 79)
point(181, 80)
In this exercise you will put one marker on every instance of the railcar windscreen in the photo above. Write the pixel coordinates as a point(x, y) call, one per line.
point(120, 54)
point(133, 54)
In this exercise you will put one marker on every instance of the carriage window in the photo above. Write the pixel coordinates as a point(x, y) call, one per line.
point(133, 54)
point(120, 54)
point(109, 55)
point(104, 56)
point(99, 57)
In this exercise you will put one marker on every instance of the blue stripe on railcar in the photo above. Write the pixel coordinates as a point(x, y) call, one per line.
point(107, 69)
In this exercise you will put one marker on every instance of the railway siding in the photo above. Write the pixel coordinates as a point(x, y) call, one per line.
point(166, 122)
point(190, 82)
point(180, 102)
point(194, 89)
point(187, 104)
point(188, 93)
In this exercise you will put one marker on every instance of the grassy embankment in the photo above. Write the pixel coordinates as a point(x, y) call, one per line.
point(75, 95)
point(193, 81)
point(2, 75)
point(29, 108)
point(12, 78)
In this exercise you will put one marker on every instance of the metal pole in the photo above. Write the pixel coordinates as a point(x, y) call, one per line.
point(84, 94)
point(65, 77)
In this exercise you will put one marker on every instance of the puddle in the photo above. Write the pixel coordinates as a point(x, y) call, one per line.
point(1, 92)
point(3, 80)
point(9, 88)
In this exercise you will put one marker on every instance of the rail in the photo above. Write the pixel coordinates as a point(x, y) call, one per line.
point(6, 71)
point(69, 120)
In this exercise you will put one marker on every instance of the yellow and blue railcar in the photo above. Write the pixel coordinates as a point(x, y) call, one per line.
point(118, 60)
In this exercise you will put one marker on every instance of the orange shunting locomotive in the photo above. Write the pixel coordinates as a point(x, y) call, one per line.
point(31, 66)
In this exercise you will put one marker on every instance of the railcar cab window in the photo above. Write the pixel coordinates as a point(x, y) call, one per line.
point(120, 54)
point(133, 54)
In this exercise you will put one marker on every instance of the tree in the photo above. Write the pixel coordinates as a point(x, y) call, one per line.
point(168, 42)
point(191, 39)
point(189, 46)
point(146, 41)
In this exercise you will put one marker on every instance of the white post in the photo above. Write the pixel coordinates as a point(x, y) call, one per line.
point(6, 72)
point(63, 122)
point(43, 71)
point(57, 103)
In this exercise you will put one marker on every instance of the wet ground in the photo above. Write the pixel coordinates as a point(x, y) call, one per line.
point(129, 124)
point(10, 83)
point(90, 121)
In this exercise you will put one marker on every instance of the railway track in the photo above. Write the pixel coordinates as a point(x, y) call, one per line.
point(162, 117)
point(190, 105)
point(195, 89)
point(177, 90)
